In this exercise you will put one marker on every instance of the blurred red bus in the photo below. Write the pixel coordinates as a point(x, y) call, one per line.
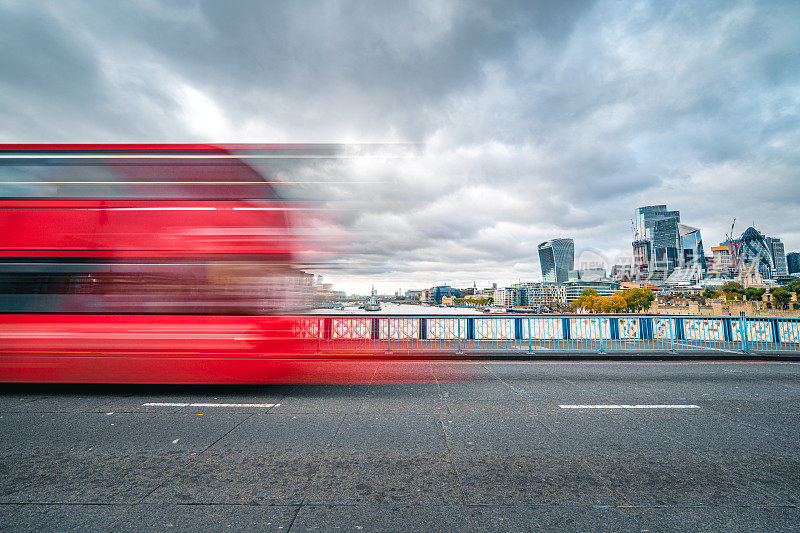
point(144, 263)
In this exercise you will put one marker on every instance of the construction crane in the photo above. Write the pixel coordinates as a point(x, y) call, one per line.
point(733, 248)
point(730, 233)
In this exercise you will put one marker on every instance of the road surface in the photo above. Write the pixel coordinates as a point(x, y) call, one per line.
point(587, 446)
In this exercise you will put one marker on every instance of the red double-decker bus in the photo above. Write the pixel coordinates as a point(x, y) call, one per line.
point(145, 264)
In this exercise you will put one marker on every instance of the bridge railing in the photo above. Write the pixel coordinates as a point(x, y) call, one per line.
point(541, 334)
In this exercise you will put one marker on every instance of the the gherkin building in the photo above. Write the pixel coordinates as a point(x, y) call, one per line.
point(753, 248)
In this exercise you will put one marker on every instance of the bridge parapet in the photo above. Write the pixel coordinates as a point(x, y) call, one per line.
point(540, 334)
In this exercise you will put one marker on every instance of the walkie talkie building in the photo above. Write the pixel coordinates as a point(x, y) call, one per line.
point(557, 257)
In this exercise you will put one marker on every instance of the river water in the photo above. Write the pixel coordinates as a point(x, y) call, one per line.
point(401, 309)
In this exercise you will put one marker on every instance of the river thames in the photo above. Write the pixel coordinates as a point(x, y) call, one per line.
point(401, 309)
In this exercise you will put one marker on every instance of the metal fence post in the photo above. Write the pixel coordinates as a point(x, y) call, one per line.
point(388, 335)
point(600, 333)
point(530, 336)
point(458, 324)
point(672, 334)
point(743, 334)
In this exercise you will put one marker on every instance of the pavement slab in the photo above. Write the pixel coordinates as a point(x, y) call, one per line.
point(67, 518)
point(382, 517)
point(558, 518)
point(207, 518)
point(361, 467)
point(733, 519)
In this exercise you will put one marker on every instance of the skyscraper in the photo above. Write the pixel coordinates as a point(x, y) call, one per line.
point(793, 262)
point(766, 253)
point(753, 248)
point(778, 256)
point(692, 254)
point(657, 240)
point(557, 258)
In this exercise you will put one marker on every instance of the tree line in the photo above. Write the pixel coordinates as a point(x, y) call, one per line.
point(781, 296)
point(471, 302)
point(630, 300)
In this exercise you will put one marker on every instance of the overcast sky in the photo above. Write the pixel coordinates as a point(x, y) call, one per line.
point(525, 121)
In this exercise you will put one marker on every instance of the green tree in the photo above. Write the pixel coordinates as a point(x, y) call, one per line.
point(754, 294)
point(733, 290)
point(733, 286)
point(781, 298)
point(585, 300)
point(615, 303)
point(638, 299)
point(793, 286)
point(710, 294)
point(590, 300)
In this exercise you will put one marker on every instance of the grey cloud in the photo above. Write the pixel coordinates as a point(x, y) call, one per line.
point(527, 120)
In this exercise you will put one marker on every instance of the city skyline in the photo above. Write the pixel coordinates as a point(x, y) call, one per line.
point(592, 259)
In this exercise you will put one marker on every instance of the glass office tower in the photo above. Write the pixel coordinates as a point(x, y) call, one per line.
point(656, 229)
point(753, 248)
point(793, 262)
point(778, 256)
point(692, 254)
point(557, 258)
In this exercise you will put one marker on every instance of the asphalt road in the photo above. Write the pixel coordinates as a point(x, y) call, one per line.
point(492, 450)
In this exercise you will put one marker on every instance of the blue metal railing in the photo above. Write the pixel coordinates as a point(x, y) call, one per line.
point(542, 334)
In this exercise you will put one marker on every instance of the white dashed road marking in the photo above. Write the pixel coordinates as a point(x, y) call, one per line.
point(175, 404)
point(626, 406)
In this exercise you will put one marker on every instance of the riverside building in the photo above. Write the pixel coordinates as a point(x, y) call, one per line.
point(573, 289)
point(507, 297)
point(539, 294)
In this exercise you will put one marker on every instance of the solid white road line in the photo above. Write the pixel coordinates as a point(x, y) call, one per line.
point(173, 404)
point(626, 406)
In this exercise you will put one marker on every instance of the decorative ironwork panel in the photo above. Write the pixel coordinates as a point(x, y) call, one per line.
point(757, 331)
point(628, 328)
point(401, 328)
point(543, 328)
point(661, 328)
point(703, 329)
point(351, 328)
point(589, 328)
point(494, 329)
point(446, 328)
point(790, 331)
point(307, 328)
